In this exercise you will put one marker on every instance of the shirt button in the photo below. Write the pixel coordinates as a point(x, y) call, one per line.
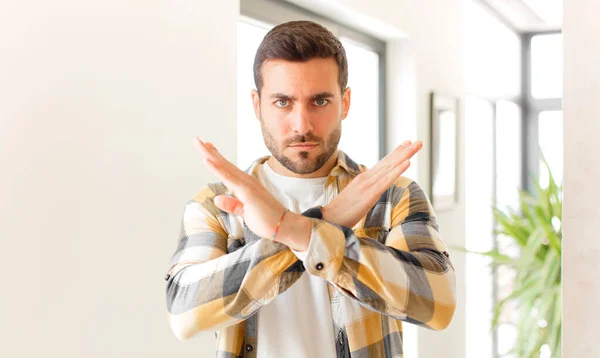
point(319, 266)
point(249, 348)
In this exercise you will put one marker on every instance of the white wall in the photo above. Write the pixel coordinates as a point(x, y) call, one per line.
point(99, 102)
point(581, 214)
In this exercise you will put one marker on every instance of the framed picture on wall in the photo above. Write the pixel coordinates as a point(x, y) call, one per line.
point(444, 151)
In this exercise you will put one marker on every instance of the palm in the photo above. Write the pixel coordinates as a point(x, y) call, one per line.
point(355, 201)
point(253, 202)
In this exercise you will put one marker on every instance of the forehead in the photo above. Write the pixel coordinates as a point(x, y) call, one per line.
point(300, 78)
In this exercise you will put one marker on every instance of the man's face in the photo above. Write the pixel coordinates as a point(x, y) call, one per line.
point(301, 109)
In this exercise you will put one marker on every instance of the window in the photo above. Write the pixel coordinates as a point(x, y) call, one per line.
point(508, 153)
point(479, 181)
point(550, 132)
point(522, 108)
point(546, 66)
point(361, 130)
point(493, 175)
point(362, 123)
point(250, 143)
point(508, 180)
point(492, 59)
point(493, 127)
point(544, 103)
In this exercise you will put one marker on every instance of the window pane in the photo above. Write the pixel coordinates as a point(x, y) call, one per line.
point(508, 153)
point(250, 141)
point(492, 56)
point(547, 66)
point(445, 181)
point(360, 138)
point(550, 130)
point(479, 177)
point(508, 181)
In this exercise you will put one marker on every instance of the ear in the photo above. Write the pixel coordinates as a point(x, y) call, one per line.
point(346, 102)
point(256, 103)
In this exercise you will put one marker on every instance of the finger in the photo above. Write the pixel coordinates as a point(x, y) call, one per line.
point(229, 204)
point(414, 147)
point(209, 151)
point(214, 149)
point(222, 174)
point(403, 152)
point(394, 174)
point(210, 145)
point(213, 163)
point(407, 149)
point(220, 159)
point(202, 148)
point(393, 157)
point(384, 164)
point(388, 179)
point(218, 154)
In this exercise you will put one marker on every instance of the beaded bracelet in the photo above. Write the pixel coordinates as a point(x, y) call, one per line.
point(277, 227)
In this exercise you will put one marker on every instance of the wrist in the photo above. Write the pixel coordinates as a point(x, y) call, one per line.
point(325, 213)
point(294, 231)
point(329, 215)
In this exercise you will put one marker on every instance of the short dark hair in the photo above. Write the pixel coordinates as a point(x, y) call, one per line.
point(300, 41)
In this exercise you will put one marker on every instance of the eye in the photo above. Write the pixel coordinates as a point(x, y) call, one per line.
point(321, 102)
point(281, 102)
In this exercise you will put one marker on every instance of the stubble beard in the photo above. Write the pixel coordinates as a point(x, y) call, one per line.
point(304, 165)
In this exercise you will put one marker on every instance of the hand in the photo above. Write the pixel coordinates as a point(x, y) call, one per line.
point(260, 210)
point(359, 196)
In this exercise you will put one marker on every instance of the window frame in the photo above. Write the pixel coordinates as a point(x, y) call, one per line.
point(532, 107)
point(530, 110)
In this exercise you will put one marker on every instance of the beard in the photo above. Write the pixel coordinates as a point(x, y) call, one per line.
point(306, 164)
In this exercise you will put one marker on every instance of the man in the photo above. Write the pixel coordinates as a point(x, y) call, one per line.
point(308, 254)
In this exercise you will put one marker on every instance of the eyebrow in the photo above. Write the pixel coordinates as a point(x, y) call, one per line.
point(321, 95)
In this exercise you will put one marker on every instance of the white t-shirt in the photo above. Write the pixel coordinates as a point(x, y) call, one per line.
point(297, 323)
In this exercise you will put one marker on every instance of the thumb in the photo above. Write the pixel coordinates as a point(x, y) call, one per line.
point(229, 204)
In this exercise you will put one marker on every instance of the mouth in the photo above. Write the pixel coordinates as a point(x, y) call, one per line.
point(304, 146)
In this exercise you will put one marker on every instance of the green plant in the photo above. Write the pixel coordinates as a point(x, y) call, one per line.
point(537, 289)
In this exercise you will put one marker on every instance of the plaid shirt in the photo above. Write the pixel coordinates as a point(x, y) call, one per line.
point(391, 267)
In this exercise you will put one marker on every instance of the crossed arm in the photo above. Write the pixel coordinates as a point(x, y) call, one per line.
point(406, 274)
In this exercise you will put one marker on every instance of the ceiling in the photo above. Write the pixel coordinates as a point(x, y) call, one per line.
point(529, 15)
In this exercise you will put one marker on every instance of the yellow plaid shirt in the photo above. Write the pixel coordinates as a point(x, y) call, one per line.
point(393, 266)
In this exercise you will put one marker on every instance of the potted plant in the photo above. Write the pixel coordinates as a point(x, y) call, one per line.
point(535, 228)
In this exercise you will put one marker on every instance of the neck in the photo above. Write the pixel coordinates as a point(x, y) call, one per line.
point(319, 173)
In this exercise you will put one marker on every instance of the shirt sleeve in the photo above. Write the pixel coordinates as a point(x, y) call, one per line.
point(301, 255)
point(209, 288)
point(404, 273)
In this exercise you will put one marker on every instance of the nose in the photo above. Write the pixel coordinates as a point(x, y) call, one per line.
point(301, 120)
